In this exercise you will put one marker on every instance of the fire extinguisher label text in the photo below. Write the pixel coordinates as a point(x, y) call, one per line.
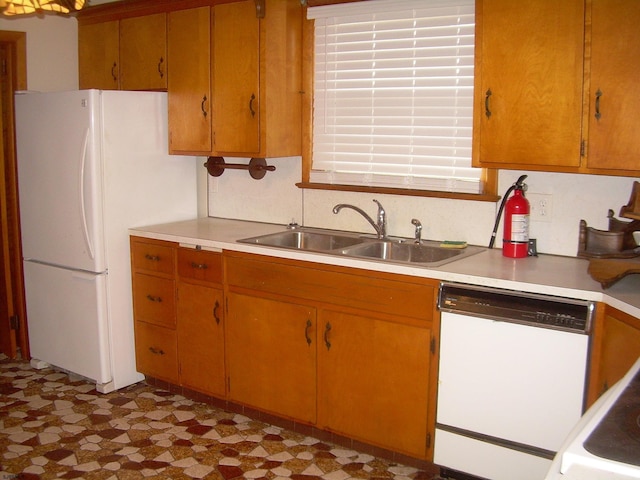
point(520, 228)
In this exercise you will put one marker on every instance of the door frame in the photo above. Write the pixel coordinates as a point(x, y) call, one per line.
point(14, 73)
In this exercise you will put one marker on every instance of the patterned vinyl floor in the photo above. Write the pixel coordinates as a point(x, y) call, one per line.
point(52, 426)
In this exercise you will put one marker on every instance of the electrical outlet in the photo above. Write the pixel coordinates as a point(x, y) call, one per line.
point(541, 207)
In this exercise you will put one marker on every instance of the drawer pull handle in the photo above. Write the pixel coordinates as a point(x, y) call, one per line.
point(113, 72)
point(306, 331)
point(216, 308)
point(156, 351)
point(327, 329)
point(199, 266)
point(152, 258)
point(487, 110)
point(153, 298)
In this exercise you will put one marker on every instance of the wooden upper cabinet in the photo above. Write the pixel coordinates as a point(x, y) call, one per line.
point(257, 79)
point(98, 55)
point(236, 74)
point(528, 84)
point(614, 91)
point(189, 86)
point(143, 52)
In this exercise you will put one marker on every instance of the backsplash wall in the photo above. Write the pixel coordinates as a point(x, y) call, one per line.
point(276, 199)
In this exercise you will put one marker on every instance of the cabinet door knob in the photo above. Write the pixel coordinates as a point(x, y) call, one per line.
point(160, 65)
point(253, 112)
point(306, 331)
point(202, 107)
point(327, 329)
point(598, 95)
point(487, 110)
point(216, 309)
point(114, 72)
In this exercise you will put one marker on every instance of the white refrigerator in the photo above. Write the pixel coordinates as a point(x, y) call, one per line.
point(91, 164)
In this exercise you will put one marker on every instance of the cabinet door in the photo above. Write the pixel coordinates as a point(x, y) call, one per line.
point(143, 52)
point(271, 356)
point(201, 338)
point(614, 97)
point(373, 379)
point(98, 55)
point(528, 87)
point(236, 73)
point(620, 343)
point(190, 106)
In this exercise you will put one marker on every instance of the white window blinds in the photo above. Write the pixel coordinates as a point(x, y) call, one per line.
point(393, 99)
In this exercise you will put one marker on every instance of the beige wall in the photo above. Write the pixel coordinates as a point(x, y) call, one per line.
point(52, 50)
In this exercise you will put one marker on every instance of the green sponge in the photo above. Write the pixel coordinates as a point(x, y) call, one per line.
point(453, 244)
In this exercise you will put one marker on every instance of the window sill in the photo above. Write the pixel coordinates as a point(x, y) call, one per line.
point(479, 197)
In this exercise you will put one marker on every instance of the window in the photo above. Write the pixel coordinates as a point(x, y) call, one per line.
point(393, 99)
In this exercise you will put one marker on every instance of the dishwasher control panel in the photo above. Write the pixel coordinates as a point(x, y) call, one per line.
point(517, 307)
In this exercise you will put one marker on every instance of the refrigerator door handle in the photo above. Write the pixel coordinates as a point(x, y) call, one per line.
point(83, 163)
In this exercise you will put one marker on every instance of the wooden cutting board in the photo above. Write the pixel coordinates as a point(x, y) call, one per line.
point(608, 271)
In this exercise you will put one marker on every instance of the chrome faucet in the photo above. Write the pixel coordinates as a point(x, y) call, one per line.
point(418, 233)
point(380, 226)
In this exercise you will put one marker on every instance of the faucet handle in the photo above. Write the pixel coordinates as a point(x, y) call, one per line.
point(418, 232)
point(382, 220)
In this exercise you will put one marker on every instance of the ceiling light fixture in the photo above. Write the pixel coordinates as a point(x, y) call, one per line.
point(25, 7)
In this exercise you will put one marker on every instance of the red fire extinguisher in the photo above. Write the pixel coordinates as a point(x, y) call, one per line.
point(515, 241)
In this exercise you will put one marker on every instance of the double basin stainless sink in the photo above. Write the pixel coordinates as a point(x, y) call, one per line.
point(426, 253)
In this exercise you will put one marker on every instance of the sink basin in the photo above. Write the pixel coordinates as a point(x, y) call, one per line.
point(351, 245)
point(305, 240)
point(426, 254)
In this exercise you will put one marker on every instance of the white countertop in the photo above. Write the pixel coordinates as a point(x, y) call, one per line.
point(547, 274)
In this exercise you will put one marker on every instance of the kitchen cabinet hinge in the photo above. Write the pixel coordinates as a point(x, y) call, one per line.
point(582, 148)
point(433, 345)
point(14, 322)
point(260, 9)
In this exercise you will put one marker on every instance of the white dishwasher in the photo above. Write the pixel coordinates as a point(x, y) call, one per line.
point(511, 382)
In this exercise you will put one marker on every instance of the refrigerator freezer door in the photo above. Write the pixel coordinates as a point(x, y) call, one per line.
point(74, 303)
point(59, 171)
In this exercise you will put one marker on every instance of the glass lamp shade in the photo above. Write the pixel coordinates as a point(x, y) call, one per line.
point(25, 7)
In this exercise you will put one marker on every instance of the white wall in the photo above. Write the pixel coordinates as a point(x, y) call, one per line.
point(573, 197)
point(52, 50)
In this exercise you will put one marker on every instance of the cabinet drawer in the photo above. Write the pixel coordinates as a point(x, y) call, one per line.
point(200, 265)
point(156, 351)
point(154, 300)
point(155, 257)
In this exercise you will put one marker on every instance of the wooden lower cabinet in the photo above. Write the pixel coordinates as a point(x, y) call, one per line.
point(616, 347)
point(179, 314)
point(271, 356)
point(342, 349)
point(201, 338)
point(373, 380)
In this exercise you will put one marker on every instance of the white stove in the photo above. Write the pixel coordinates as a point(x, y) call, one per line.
point(605, 444)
